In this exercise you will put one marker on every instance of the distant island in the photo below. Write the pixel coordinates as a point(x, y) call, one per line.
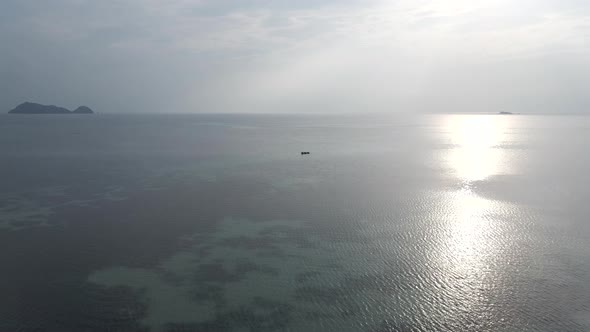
point(34, 108)
point(506, 113)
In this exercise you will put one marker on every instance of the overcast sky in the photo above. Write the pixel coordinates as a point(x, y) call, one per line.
point(297, 55)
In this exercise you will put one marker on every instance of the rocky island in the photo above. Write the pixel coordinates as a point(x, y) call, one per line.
point(34, 108)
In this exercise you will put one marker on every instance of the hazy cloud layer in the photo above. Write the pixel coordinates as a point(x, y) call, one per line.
point(293, 56)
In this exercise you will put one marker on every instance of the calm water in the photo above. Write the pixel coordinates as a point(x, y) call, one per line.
point(217, 223)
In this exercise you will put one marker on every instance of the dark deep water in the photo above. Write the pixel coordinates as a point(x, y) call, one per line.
point(217, 223)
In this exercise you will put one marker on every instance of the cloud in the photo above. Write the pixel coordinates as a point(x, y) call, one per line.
point(185, 56)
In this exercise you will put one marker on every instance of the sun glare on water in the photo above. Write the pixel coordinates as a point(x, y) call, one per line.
point(469, 235)
point(475, 139)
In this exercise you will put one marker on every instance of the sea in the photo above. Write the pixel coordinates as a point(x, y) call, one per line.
point(217, 222)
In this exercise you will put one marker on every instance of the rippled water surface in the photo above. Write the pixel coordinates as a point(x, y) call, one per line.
point(217, 223)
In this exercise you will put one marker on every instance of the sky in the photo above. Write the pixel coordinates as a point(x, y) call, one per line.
point(312, 56)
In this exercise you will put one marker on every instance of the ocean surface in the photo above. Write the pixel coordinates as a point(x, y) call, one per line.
point(218, 223)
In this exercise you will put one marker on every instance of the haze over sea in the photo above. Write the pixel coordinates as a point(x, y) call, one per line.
point(449, 222)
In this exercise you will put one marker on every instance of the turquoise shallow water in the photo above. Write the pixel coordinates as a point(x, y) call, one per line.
point(217, 223)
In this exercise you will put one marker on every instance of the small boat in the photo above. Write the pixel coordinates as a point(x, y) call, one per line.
point(305, 152)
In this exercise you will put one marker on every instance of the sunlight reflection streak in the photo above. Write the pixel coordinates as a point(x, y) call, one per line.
point(469, 240)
